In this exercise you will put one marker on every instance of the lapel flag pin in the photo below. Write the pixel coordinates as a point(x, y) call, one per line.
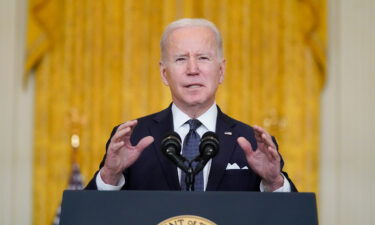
point(228, 133)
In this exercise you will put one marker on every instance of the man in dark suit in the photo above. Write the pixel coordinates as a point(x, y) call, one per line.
point(192, 65)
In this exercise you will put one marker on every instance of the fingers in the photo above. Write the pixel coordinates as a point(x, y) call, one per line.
point(269, 148)
point(124, 131)
point(131, 124)
point(262, 136)
point(272, 153)
point(144, 142)
point(117, 146)
point(245, 145)
point(120, 134)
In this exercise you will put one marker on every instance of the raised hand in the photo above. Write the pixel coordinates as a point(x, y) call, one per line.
point(121, 154)
point(265, 160)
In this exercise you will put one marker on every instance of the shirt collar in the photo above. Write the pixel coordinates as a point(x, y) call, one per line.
point(208, 119)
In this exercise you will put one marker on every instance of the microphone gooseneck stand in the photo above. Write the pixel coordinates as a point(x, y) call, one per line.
point(190, 178)
point(208, 148)
point(190, 175)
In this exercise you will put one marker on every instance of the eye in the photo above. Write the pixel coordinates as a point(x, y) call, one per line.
point(203, 58)
point(179, 59)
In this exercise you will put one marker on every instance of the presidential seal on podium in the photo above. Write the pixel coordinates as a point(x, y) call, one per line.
point(187, 220)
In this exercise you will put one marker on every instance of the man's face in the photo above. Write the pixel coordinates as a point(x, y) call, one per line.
point(191, 67)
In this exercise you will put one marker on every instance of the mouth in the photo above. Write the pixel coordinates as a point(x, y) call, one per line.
point(192, 86)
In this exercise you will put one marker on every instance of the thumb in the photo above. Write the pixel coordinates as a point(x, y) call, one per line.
point(246, 146)
point(144, 142)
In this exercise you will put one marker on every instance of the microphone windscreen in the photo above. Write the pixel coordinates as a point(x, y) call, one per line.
point(210, 135)
point(209, 145)
point(171, 142)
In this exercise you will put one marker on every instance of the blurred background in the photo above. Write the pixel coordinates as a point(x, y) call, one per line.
point(70, 70)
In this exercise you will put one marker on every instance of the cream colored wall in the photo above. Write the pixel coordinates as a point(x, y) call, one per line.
point(16, 104)
point(347, 186)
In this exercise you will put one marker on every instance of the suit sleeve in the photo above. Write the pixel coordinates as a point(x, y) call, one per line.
point(292, 186)
point(92, 184)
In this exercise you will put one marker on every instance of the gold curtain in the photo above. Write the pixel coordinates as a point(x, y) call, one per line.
point(96, 65)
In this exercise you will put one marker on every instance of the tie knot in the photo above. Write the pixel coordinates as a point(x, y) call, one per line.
point(194, 124)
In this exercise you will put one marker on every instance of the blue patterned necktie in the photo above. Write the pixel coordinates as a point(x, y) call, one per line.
point(190, 150)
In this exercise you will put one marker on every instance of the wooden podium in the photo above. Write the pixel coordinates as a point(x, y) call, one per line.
point(153, 207)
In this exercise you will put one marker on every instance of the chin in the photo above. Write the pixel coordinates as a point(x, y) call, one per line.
point(197, 102)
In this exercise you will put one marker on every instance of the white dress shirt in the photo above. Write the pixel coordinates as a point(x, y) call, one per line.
point(208, 120)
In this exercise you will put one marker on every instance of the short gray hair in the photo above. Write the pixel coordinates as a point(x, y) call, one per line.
point(191, 22)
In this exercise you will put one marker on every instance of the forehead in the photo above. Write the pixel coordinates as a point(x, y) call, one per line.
point(192, 38)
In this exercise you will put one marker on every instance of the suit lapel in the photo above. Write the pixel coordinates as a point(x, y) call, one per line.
point(227, 139)
point(164, 125)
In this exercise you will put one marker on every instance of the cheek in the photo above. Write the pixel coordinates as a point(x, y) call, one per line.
point(175, 72)
point(173, 82)
point(215, 78)
point(169, 77)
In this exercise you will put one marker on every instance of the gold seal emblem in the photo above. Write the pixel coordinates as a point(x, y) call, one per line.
point(187, 220)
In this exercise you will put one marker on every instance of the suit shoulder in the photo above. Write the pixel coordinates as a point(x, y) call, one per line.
point(238, 124)
point(144, 120)
point(154, 116)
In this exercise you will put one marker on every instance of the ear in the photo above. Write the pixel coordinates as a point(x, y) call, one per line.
point(222, 71)
point(163, 73)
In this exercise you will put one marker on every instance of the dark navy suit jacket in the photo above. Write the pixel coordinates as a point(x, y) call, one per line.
point(153, 171)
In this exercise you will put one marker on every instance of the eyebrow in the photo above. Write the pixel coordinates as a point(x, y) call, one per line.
point(185, 55)
point(180, 55)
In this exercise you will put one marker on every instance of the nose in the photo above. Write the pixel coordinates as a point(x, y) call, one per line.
point(192, 67)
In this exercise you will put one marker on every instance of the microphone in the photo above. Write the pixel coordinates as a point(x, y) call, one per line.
point(208, 148)
point(171, 147)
